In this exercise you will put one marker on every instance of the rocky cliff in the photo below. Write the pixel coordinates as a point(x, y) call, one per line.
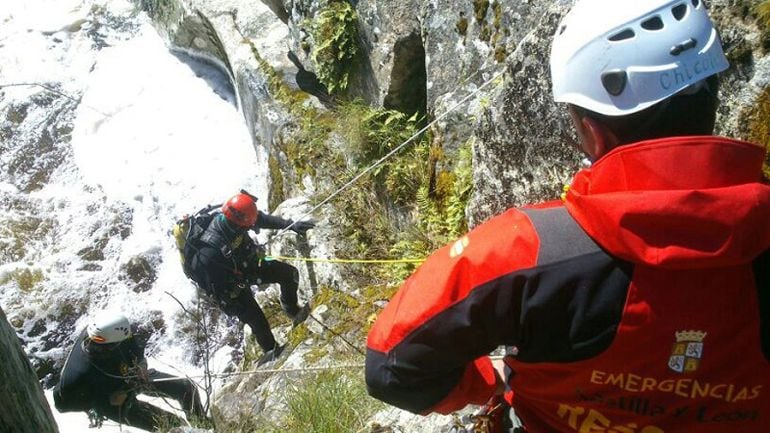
point(294, 63)
point(25, 409)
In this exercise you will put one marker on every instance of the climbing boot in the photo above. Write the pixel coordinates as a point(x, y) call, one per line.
point(271, 355)
point(300, 316)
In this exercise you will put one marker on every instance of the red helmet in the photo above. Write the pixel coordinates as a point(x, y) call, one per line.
point(241, 210)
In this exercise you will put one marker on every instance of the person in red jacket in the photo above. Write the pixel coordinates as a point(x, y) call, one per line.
point(638, 304)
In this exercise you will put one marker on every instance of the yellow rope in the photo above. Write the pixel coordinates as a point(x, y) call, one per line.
point(315, 259)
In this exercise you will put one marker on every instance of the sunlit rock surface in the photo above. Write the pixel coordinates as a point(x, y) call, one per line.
point(25, 409)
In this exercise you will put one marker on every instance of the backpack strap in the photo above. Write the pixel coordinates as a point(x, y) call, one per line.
point(213, 237)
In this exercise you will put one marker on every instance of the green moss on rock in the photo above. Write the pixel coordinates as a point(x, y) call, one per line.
point(762, 10)
point(462, 25)
point(335, 37)
point(757, 121)
point(25, 278)
point(500, 54)
point(480, 8)
point(485, 33)
point(276, 195)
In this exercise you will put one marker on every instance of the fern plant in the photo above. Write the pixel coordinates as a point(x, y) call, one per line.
point(335, 33)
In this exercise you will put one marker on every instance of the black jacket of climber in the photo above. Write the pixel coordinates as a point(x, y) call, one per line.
point(106, 378)
point(90, 376)
point(227, 258)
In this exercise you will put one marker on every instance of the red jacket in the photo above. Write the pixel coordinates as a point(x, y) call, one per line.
point(641, 304)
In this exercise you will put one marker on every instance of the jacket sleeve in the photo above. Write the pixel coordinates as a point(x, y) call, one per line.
point(265, 221)
point(427, 351)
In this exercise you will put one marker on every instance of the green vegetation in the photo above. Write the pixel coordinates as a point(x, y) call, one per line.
point(480, 8)
point(292, 98)
point(371, 133)
point(500, 54)
point(19, 231)
point(485, 34)
point(276, 194)
point(493, 32)
point(462, 25)
point(758, 125)
point(762, 11)
point(411, 204)
point(335, 34)
point(25, 278)
point(408, 182)
point(329, 403)
point(309, 150)
point(497, 7)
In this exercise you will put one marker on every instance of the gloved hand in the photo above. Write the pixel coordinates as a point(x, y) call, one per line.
point(117, 398)
point(301, 227)
point(236, 290)
point(259, 251)
point(142, 372)
point(254, 252)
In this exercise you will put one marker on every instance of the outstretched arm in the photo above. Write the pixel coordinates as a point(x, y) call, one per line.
point(267, 221)
point(427, 351)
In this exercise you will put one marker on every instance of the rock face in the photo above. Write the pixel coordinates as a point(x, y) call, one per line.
point(478, 66)
point(25, 409)
point(428, 55)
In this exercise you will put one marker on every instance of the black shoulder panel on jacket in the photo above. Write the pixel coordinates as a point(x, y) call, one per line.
point(560, 236)
point(573, 300)
point(762, 277)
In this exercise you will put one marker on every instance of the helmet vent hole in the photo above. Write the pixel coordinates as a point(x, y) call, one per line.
point(654, 23)
point(695, 3)
point(614, 81)
point(679, 11)
point(562, 29)
point(622, 35)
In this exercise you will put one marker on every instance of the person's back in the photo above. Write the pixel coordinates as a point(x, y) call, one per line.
point(654, 312)
point(639, 303)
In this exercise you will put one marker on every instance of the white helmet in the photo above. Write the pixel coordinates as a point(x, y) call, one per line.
point(617, 57)
point(109, 328)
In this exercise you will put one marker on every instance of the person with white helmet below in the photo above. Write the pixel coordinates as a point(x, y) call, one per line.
point(106, 370)
point(226, 261)
point(639, 303)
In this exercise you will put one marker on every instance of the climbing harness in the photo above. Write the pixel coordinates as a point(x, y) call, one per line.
point(488, 419)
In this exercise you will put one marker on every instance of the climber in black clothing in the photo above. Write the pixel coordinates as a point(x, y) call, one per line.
point(106, 370)
point(225, 262)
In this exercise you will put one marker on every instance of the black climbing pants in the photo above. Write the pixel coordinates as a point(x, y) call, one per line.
point(246, 308)
point(180, 389)
point(143, 415)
